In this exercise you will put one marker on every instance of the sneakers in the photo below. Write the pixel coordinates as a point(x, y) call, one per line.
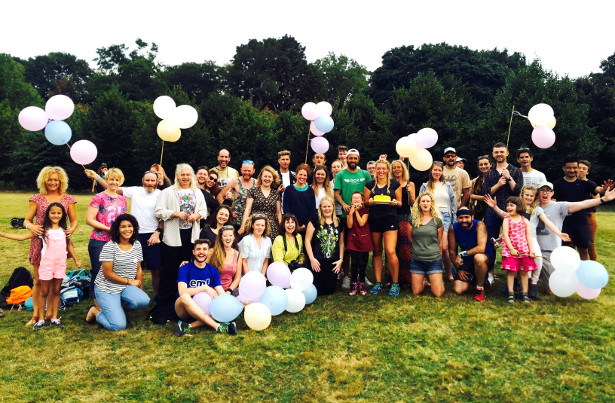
point(355, 289)
point(377, 288)
point(479, 295)
point(181, 328)
point(346, 283)
point(533, 292)
point(490, 278)
point(368, 283)
point(230, 328)
point(362, 289)
point(394, 291)
point(56, 322)
point(39, 324)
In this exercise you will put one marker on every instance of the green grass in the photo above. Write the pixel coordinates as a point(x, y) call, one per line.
point(339, 348)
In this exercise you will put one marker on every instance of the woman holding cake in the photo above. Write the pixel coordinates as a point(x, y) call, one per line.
point(383, 197)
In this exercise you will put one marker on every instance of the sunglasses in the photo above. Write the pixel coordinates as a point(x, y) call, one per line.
point(213, 178)
point(248, 162)
point(259, 215)
point(289, 215)
point(150, 172)
point(225, 227)
point(482, 157)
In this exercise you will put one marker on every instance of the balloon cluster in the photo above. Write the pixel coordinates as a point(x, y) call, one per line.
point(414, 147)
point(321, 123)
point(542, 118)
point(288, 292)
point(57, 109)
point(174, 118)
point(586, 278)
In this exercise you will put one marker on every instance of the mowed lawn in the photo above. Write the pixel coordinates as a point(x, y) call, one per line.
point(375, 348)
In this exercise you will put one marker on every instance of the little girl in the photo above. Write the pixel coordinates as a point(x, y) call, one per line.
point(517, 248)
point(359, 242)
point(53, 259)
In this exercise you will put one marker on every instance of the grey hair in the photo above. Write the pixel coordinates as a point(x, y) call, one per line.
point(178, 170)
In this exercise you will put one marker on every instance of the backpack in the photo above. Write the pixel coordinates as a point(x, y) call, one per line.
point(76, 286)
point(70, 296)
point(19, 295)
point(17, 223)
point(21, 276)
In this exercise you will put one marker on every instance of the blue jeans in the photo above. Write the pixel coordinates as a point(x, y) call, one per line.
point(94, 248)
point(426, 268)
point(113, 316)
point(493, 222)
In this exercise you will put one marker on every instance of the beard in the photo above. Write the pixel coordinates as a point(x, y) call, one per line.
point(352, 165)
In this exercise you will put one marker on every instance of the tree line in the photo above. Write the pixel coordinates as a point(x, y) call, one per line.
point(252, 106)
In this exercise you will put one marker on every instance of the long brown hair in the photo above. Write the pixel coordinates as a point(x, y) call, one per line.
point(430, 181)
point(219, 253)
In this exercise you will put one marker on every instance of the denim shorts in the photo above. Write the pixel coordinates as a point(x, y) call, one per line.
point(421, 267)
point(446, 220)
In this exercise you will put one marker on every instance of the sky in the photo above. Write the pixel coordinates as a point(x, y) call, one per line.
point(569, 37)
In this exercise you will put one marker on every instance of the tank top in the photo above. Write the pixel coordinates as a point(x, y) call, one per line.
point(516, 233)
point(228, 272)
point(240, 201)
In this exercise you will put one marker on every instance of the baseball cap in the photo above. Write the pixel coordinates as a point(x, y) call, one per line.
point(449, 150)
point(545, 184)
point(461, 159)
point(353, 151)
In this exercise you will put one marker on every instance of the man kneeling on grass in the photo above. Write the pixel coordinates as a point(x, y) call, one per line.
point(195, 277)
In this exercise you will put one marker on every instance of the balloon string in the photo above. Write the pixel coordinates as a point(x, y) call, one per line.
point(512, 114)
point(307, 146)
point(161, 151)
point(68, 145)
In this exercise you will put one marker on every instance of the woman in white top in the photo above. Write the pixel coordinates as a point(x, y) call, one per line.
point(322, 184)
point(255, 247)
point(444, 196)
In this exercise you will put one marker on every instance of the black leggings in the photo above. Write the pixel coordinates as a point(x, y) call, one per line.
point(172, 256)
point(358, 263)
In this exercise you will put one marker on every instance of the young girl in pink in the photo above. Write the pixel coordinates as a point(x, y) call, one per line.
point(517, 248)
point(359, 242)
point(53, 259)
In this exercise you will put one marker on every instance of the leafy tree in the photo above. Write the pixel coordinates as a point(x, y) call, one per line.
point(198, 80)
point(341, 77)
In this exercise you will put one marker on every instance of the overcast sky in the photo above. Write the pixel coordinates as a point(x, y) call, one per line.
point(569, 37)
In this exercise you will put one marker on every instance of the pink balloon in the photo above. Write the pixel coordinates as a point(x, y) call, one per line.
point(324, 108)
point(315, 131)
point(543, 137)
point(33, 118)
point(203, 300)
point(252, 285)
point(279, 274)
point(309, 111)
point(426, 138)
point(59, 107)
point(320, 145)
point(587, 293)
point(83, 152)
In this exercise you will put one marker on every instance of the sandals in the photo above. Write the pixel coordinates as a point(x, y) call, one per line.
point(511, 298)
point(526, 299)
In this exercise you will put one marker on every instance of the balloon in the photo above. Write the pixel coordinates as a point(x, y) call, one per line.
point(310, 294)
point(296, 300)
point(203, 300)
point(324, 108)
point(252, 285)
point(565, 258)
point(58, 132)
point(168, 131)
point(592, 274)
point(184, 116)
point(83, 152)
point(315, 131)
point(587, 293)
point(324, 123)
point(275, 298)
point(309, 111)
point(319, 145)
point(301, 279)
point(279, 274)
point(257, 316)
point(540, 114)
point(59, 107)
point(406, 146)
point(421, 160)
point(543, 137)
point(164, 107)
point(33, 118)
point(563, 284)
point(225, 308)
point(426, 138)
point(550, 125)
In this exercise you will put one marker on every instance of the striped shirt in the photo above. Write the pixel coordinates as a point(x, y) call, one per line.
point(124, 265)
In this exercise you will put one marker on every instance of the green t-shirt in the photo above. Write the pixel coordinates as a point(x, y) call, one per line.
point(349, 182)
point(425, 245)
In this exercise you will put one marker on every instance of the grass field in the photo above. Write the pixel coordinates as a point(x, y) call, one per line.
point(375, 348)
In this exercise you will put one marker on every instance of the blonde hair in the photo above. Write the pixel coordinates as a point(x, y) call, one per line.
point(532, 207)
point(388, 176)
point(45, 174)
point(178, 170)
point(219, 253)
point(326, 185)
point(321, 217)
point(250, 224)
point(276, 178)
point(430, 181)
point(406, 172)
point(115, 172)
point(416, 212)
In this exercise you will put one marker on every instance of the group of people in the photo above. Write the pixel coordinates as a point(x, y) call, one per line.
point(203, 231)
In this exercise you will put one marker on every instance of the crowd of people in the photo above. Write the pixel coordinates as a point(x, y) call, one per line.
point(203, 230)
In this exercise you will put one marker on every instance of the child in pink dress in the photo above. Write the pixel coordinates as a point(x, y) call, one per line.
point(517, 248)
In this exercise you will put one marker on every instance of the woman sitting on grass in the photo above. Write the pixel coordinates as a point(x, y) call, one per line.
point(226, 258)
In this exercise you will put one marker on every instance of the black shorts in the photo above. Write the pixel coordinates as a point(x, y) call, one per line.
point(578, 231)
point(152, 259)
point(383, 224)
point(469, 267)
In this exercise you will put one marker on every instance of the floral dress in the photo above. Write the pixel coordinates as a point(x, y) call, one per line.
point(240, 201)
point(266, 205)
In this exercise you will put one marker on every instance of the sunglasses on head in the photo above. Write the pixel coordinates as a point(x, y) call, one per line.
point(260, 215)
point(289, 215)
point(248, 162)
point(482, 157)
point(150, 172)
point(225, 227)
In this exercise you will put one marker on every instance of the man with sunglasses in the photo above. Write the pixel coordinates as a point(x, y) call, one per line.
point(531, 176)
point(239, 189)
point(457, 177)
point(225, 172)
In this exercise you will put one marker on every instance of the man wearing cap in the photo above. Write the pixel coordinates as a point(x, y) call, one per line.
point(531, 176)
point(474, 258)
point(225, 172)
point(456, 177)
point(557, 211)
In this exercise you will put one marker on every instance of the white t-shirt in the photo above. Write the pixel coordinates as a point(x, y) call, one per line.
point(285, 178)
point(533, 178)
point(256, 256)
point(441, 197)
point(142, 207)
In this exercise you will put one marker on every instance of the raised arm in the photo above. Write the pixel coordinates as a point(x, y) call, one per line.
point(582, 205)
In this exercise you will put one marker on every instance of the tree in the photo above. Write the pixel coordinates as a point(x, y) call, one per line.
point(198, 80)
point(341, 77)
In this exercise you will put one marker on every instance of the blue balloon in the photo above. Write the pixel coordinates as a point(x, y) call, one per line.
point(324, 123)
point(592, 274)
point(275, 298)
point(310, 294)
point(58, 132)
point(225, 308)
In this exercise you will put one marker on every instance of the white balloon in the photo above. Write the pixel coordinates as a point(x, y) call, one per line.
point(324, 108)
point(566, 259)
point(296, 300)
point(184, 116)
point(540, 115)
point(406, 146)
point(563, 284)
point(426, 138)
point(421, 160)
point(164, 106)
point(301, 279)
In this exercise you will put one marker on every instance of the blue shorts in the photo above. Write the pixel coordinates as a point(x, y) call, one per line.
point(151, 253)
point(446, 220)
point(426, 268)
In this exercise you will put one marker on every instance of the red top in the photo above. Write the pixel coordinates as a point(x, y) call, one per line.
point(360, 237)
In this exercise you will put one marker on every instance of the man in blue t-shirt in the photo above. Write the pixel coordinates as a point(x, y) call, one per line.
point(193, 278)
point(474, 259)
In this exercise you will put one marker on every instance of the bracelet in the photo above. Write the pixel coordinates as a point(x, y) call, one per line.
point(31, 223)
